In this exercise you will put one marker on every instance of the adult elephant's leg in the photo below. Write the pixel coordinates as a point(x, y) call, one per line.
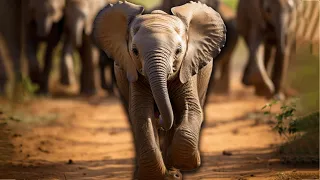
point(223, 83)
point(212, 81)
point(31, 47)
point(149, 159)
point(52, 42)
point(279, 73)
point(87, 53)
point(46, 70)
point(67, 74)
point(11, 33)
point(105, 62)
point(255, 72)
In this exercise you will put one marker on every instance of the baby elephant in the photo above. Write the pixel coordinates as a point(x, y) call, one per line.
point(162, 65)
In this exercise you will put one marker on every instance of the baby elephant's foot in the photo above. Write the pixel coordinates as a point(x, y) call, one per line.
point(185, 152)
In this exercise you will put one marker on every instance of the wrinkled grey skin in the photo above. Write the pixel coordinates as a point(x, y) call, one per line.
point(264, 22)
point(35, 21)
point(222, 83)
point(78, 27)
point(163, 65)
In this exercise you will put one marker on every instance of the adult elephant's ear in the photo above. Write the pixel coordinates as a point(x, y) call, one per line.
point(206, 36)
point(110, 33)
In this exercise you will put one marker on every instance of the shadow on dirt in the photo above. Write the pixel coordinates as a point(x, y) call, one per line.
point(6, 148)
point(243, 163)
point(82, 170)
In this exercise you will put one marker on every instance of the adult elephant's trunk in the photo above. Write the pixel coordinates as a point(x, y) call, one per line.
point(157, 71)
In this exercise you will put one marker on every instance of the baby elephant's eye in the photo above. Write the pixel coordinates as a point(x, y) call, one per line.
point(178, 50)
point(135, 51)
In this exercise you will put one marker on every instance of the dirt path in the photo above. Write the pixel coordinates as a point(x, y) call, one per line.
point(73, 139)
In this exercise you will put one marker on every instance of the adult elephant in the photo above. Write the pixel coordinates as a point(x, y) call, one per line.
point(163, 65)
point(24, 24)
point(222, 83)
point(79, 16)
point(264, 22)
point(43, 23)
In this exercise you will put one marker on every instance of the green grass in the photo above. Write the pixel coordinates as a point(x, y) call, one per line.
point(147, 3)
point(231, 3)
point(151, 3)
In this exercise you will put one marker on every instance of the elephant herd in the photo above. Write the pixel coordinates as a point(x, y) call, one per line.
point(27, 23)
point(163, 61)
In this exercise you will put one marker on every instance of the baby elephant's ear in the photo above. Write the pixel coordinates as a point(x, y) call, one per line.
point(206, 36)
point(110, 32)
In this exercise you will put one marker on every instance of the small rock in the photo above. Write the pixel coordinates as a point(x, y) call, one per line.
point(16, 135)
point(84, 174)
point(252, 175)
point(227, 153)
point(43, 150)
point(4, 123)
point(235, 131)
point(70, 161)
point(14, 119)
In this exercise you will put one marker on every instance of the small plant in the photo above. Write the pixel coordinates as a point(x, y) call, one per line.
point(301, 133)
point(29, 87)
point(23, 89)
point(285, 118)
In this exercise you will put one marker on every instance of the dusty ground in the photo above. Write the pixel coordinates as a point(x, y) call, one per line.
point(81, 139)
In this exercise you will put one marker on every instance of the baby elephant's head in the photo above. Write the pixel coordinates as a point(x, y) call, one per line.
point(160, 46)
